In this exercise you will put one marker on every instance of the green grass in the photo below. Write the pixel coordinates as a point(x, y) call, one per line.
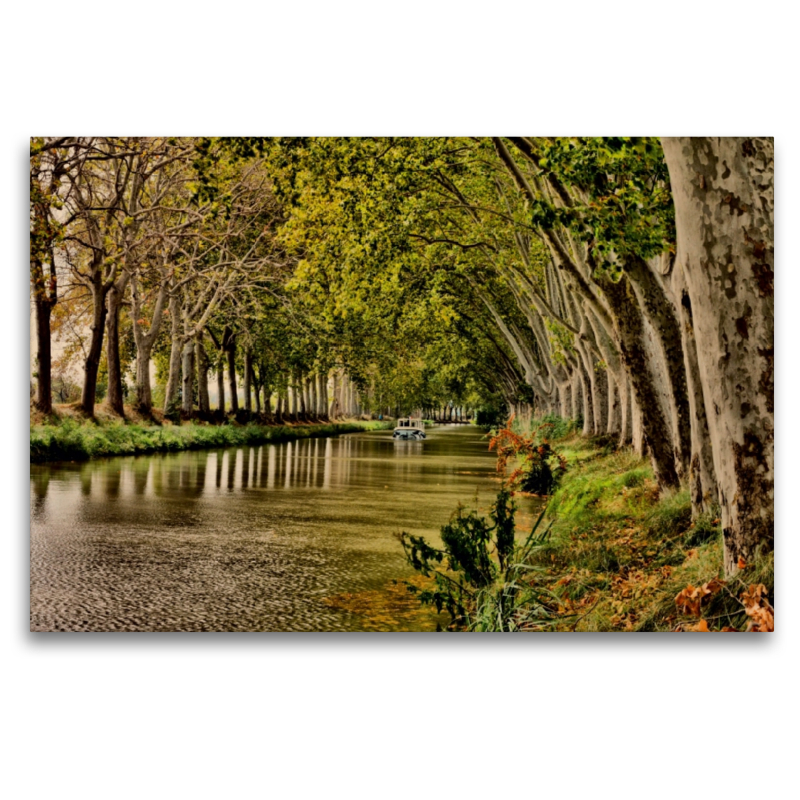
point(71, 441)
point(618, 552)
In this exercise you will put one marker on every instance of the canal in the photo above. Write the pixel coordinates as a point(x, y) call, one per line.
point(296, 536)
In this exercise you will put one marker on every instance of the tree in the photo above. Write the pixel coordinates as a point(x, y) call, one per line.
point(50, 160)
point(724, 203)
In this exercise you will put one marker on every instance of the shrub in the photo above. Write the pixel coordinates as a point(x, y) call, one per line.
point(476, 576)
point(539, 465)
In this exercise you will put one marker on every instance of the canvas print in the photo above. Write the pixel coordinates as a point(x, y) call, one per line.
point(454, 384)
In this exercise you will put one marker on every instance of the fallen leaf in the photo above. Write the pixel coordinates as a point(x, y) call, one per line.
point(713, 586)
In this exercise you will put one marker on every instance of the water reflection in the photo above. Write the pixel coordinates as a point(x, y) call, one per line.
point(243, 538)
point(326, 464)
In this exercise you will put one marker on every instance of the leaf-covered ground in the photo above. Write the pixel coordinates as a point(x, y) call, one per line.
point(620, 554)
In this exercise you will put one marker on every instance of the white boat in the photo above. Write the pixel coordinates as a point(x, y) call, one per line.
point(409, 428)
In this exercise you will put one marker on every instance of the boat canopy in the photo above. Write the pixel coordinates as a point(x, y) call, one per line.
point(409, 422)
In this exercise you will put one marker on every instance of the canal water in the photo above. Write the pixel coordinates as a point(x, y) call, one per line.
point(244, 539)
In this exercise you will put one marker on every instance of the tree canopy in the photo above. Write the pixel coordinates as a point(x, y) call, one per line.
point(529, 275)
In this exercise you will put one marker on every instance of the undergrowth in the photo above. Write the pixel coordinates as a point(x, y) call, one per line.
point(73, 441)
point(617, 556)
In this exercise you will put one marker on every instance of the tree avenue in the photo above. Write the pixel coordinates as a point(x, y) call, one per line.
point(623, 282)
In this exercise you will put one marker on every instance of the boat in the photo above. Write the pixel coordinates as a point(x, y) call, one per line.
point(409, 428)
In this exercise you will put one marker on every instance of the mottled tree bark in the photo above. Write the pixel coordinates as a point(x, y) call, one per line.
point(656, 429)
point(626, 413)
point(614, 416)
point(663, 318)
point(723, 190)
point(586, 398)
point(702, 481)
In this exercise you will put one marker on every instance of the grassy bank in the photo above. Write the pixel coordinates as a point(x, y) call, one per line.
point(611, 554)
point(71, 440)
point(619, 553)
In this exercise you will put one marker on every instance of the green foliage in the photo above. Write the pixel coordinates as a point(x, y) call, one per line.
point(628, 210)
point(381, 269)
point(555, 427)
point(475, 577)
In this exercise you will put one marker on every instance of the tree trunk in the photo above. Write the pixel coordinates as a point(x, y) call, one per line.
point(656, 428)
point(614, 421)
point(231, 353)
point(92, 363)
point(144, 342)
point(577, 397)
point(626, 412)
point(44, 387)
point(144, 392)
point(201, 359)
point(332, 408)
point(308, 393)
point(662, 316)
point(171, 392)
point(599, 397)
point(221, 385)
point(586, 396)
point(723, 190)
point(293, 394)
point(45, 295)
point(323, 392)
point(637, 428)
point(114, 302)
point(312, 391)
point(187, 365)
point(702, 481)
point(248, 381)
point(300, 389)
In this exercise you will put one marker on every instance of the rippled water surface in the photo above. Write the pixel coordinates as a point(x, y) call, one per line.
point(252, 538)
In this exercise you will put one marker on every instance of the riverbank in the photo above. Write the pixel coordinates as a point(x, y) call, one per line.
point(620, 553)
point(70, 439)
point(612, 553)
